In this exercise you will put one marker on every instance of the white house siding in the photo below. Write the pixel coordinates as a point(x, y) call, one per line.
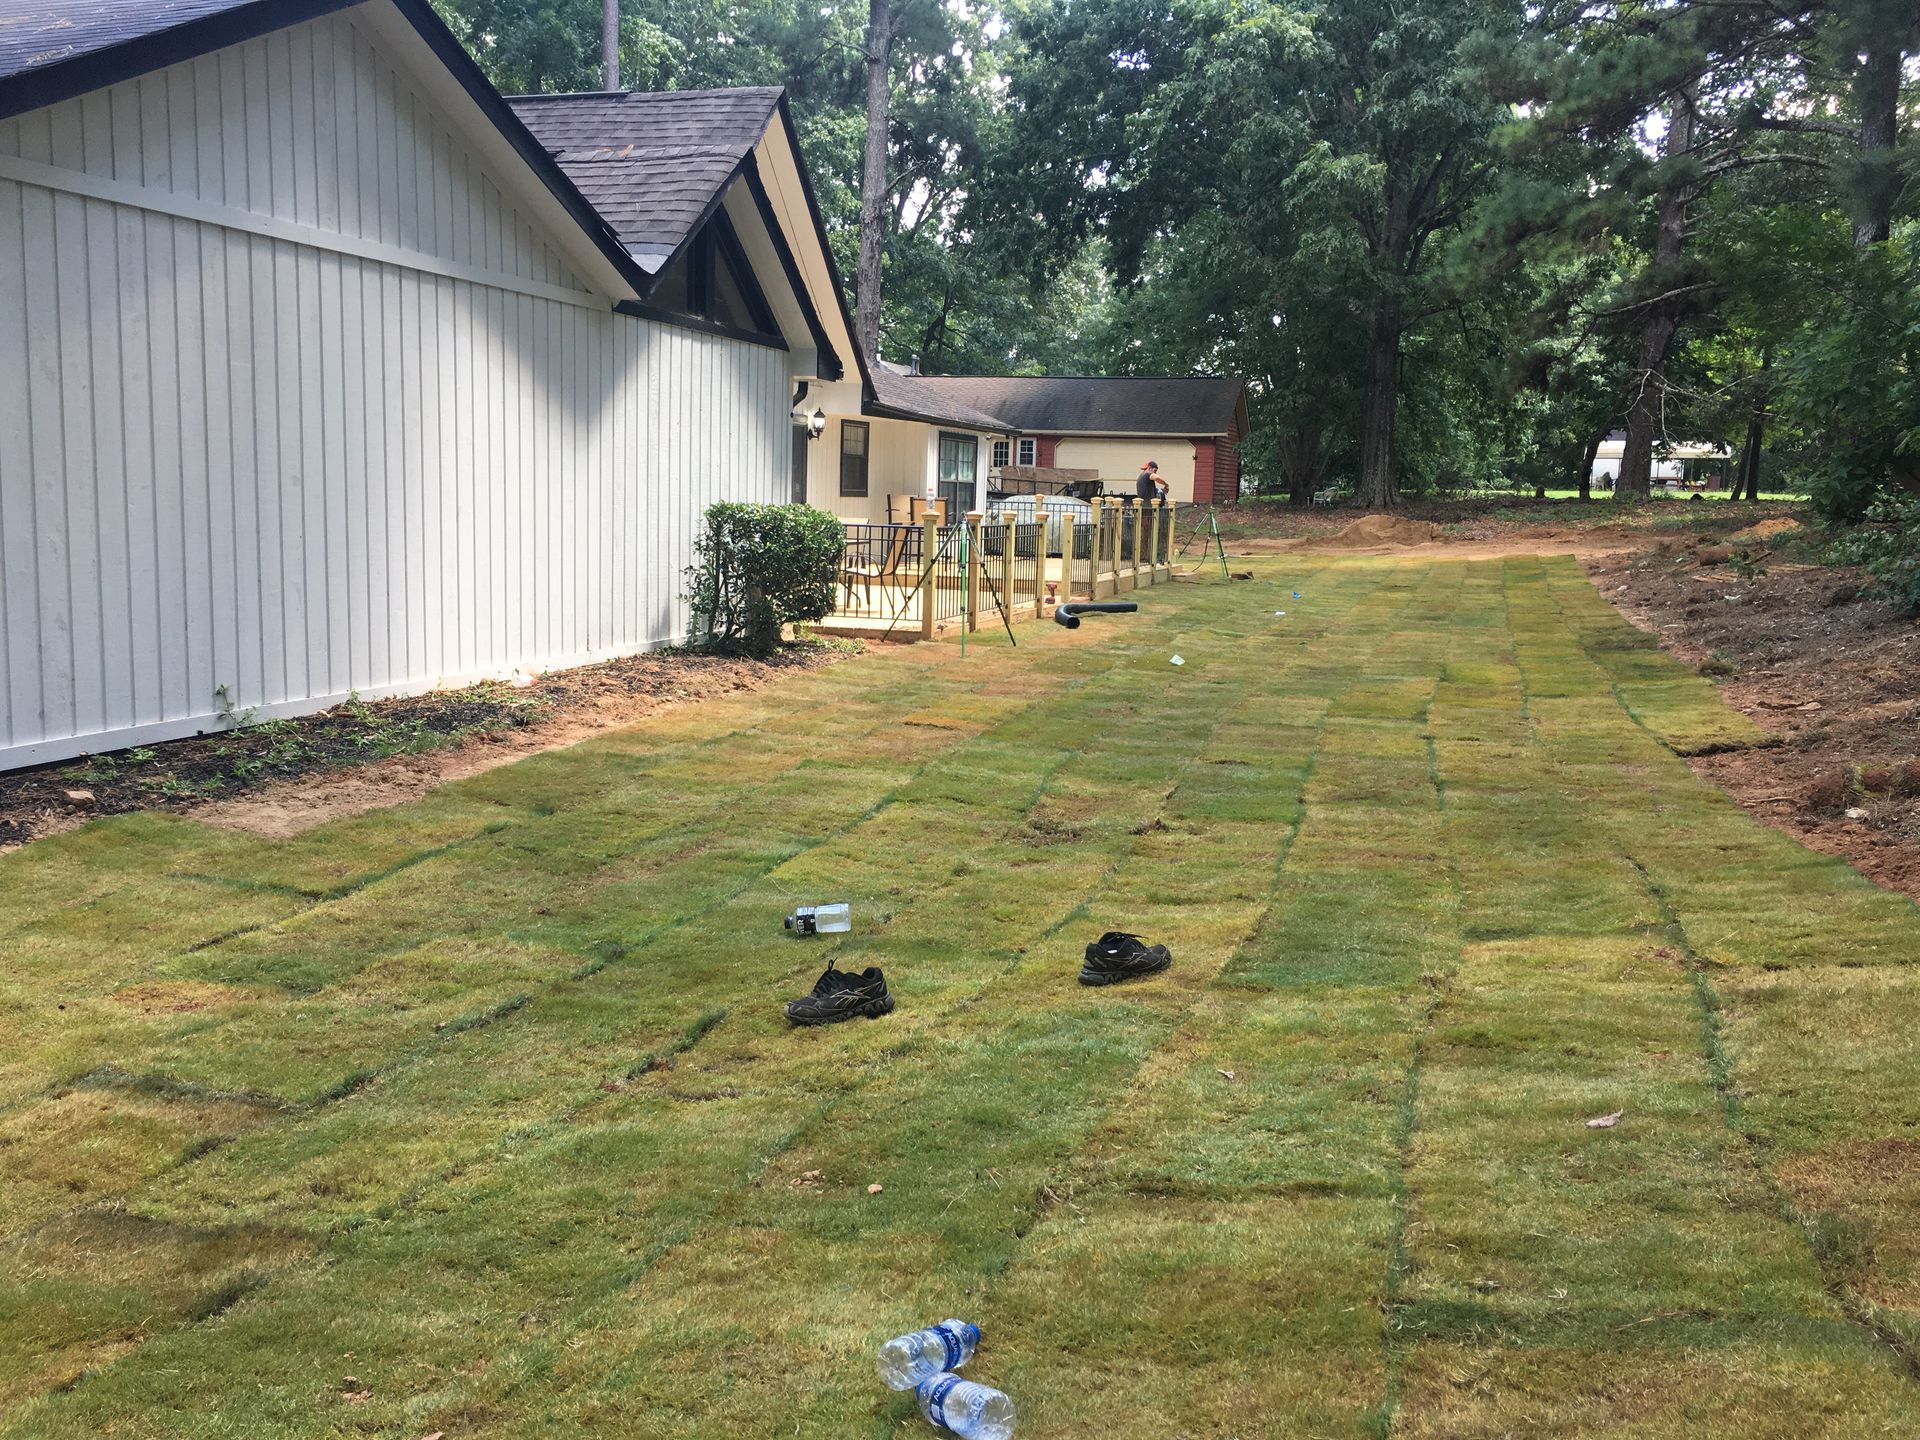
point(390, 443)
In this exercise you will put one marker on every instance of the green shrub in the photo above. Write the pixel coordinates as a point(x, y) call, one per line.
point(1887, 547)
point(759, 567)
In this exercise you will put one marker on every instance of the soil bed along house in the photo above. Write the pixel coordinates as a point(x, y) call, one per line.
point(395, 748)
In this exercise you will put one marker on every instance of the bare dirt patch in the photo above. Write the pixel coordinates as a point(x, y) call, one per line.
point(1372, 530)
point(1492, 527)
point(1836, 677)
point(280, 778)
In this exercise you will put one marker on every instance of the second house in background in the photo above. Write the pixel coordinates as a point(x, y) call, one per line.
point(951, 438)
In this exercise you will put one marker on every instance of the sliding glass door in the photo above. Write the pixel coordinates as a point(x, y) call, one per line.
point(959, 465)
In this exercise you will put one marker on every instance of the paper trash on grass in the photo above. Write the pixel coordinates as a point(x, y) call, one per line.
point(1178, 661)
point(1605, 1122)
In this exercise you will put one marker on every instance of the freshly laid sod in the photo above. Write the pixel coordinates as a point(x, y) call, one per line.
point(479, 1115)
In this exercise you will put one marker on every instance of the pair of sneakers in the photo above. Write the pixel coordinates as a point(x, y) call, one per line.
point(843, 995)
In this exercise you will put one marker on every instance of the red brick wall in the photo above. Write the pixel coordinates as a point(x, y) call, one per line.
point(1045, 447)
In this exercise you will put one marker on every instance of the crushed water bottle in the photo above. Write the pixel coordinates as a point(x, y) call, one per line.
point(975, 1412)
point(820, 919)
point(906, 1360)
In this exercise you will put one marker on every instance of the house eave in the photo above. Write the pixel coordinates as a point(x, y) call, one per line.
point(875, 410)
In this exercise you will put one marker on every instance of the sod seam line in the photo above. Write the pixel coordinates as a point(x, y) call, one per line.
point(433, 1044)
point(1754, 1142)
point(716, 1223)
point(959, 739)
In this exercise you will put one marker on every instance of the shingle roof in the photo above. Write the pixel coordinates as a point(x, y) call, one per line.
point(915, 396)
point(1098, 405)
point(652, 163)
point(35, 33)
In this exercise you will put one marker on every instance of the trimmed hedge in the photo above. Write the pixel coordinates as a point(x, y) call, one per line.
point(759, 567)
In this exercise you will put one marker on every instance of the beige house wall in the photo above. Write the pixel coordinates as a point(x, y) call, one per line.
point(1119, 460)
point(903, 459)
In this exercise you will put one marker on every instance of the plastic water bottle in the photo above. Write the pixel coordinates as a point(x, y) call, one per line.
point(908, 1359)
point(820, 919)
point(976, 1412)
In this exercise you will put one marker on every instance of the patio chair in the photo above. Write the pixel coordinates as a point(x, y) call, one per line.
point(865, 572)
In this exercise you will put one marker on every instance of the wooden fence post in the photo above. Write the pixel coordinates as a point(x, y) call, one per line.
point(1066, 555)
point(1040, 537)
point(929, 572)
point(1009, 543)
point(1097, 550)
point(1153, 550)
point(976, 565)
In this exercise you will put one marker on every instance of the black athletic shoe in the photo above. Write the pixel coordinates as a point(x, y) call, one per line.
point(840, 995)
point(1117, 955)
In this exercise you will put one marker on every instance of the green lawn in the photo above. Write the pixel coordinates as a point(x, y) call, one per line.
point(487, 1102)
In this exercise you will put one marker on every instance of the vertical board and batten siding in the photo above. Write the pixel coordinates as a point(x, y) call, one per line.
point(267, 467)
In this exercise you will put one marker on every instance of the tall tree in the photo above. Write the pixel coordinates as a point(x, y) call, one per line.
point(609, 44)
point(1660, 312)
point(1373, 135)
point(873, 176)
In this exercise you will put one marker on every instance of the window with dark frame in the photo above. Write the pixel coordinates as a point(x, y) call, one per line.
point(999, 453)
point(713, 280)
point(853, 458)
point(959, 457)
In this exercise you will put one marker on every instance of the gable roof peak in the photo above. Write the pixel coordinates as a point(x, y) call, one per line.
point(654, 163)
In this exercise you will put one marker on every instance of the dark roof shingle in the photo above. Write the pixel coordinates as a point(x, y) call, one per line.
point(1099, 405)
point(38, 33)
point(652, 163)
point(915, 396)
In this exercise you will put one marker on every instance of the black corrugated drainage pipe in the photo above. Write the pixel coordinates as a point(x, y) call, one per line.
point(1069, 614)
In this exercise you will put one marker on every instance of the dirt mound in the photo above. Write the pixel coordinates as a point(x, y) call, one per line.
point(1371, 530)
point(1766, 530)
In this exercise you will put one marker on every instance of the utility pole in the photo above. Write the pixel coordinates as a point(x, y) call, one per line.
point(609, 44)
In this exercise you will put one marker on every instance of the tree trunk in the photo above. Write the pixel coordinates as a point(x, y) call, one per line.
point(1876, 87)
point(1643, 409)
point(1586, 462)
point(873, 177)
point(1662, 321)
point(1301, 460)
point(1746, 479)
point(609, 44)
point(1380, 407)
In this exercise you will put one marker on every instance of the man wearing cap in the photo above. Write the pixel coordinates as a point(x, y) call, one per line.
point(1147, 487)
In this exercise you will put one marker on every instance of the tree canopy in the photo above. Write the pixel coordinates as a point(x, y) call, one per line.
point(1449, 243)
